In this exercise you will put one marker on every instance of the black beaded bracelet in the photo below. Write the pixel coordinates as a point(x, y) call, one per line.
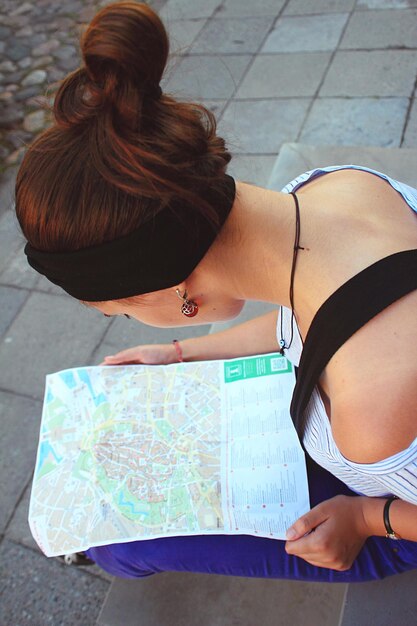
point(390, 534)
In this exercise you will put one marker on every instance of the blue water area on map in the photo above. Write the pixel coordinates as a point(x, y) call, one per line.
point(49, 396)
point(85, 378)
point(69, 379)
point(131, 506)
point(45, 449)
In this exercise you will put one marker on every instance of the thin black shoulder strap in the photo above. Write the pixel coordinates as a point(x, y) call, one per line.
point(348, 309)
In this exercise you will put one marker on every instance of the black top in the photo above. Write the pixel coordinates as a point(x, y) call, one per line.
point(348, 309)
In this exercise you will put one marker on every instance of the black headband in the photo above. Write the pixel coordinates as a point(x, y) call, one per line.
point(159, 254)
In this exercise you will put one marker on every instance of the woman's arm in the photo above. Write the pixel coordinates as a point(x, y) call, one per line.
point(342, 524)
point(257, 336)
point(402, 515)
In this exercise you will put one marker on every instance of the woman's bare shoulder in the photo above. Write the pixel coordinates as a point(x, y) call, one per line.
point(378, 424)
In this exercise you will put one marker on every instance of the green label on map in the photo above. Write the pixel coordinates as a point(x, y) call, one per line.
point(256, 366)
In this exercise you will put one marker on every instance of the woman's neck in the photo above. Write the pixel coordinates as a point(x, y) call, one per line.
point(253, 254)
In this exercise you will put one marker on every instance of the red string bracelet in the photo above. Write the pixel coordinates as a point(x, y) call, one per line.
point(178, 350)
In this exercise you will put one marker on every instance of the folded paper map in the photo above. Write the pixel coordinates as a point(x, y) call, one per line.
point(138, 452)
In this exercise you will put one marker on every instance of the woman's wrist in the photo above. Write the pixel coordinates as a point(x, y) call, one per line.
point(373, 515)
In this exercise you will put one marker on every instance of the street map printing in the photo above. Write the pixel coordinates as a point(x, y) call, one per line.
point(139, 452)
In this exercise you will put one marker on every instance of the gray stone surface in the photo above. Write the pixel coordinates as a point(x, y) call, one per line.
point(36, 591)
point(261, 126)
point(182, 34)
point(181, 599)
point(232, 35)
point(296, 158)
point(50, 333)
point(249, 8)
point(278, 75)
point(357, 121)
point(374, 73)
point(216, 106)
point(383, 603)
point(10, 238)
point(19, 433)
point(188, 9)
point(386, 4)
point(11, 301)
point(18, 531)
point(307, 7)
point(207, 76)
point(254, 168)
point(381, 29)
point(410, 137)
point(7, 182)
point(18, 272)
point(306, 33)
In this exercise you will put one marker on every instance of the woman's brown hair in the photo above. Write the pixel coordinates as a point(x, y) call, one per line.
point(118, 151)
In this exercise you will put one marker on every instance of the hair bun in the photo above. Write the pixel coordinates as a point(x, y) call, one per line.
point(125, 45)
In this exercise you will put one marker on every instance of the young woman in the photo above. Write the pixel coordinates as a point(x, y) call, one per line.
point(125, 203)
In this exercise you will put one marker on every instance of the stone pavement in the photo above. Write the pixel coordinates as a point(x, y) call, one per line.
point(339, 72)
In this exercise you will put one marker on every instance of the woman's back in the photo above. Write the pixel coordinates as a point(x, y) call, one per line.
point(349, 220)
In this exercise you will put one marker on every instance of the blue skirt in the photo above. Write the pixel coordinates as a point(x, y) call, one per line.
point(244, 555)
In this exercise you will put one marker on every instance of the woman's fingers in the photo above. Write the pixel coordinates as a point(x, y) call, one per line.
point(131, 355)
point(306, 523)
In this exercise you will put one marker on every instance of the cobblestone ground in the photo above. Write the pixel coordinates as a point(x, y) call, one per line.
point(38, 46)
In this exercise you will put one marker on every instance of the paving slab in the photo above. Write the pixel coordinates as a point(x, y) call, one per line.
point(252, 168)
point(202, 77)
point(410, 136)
point(381, 29)
point(188, 9)
point(18, 272)
point(18, 529)
point(249, 8)
point(19, 433)
point(382, 603)
point(7, 183)
point(295, 158)
point(242, 35)
point(18, 532)
point(11, 301)
point(261, 126)
point(181, 599)
point(36, 591)
point(216, 106)
point(306, 33)
point(371, 73)
point(279, 75)
point(355, 122)
point(385, 4)
point(49, 334)
point(182, 34)
point(10, 238)
point(307, 7)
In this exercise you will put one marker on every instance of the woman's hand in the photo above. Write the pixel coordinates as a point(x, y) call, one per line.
point(331, 534)
point(151, 354)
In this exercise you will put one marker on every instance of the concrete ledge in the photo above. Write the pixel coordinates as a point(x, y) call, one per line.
point(182, 599)
point(296, 158)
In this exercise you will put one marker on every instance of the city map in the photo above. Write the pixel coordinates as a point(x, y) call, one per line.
point(138, 452)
